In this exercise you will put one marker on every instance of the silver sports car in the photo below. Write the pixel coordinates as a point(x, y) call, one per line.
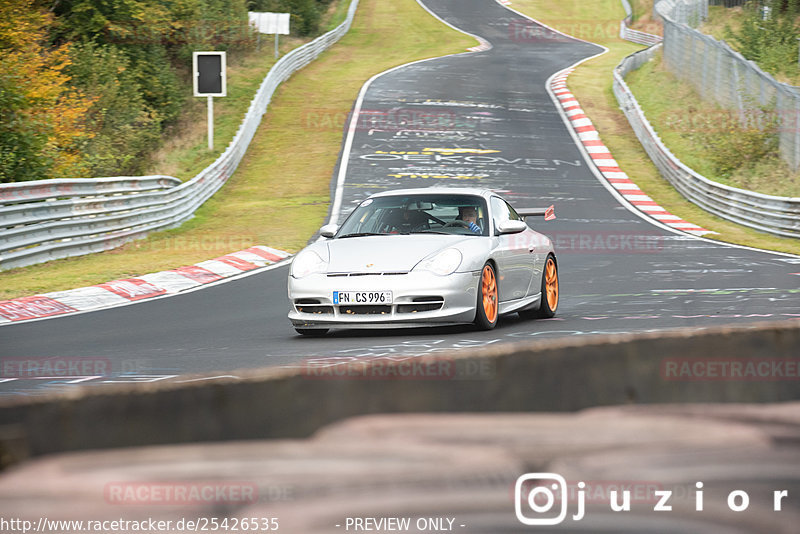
point(416, 257)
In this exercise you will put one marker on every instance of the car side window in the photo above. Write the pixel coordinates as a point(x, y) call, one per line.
point(501, 211)
point(512, 215)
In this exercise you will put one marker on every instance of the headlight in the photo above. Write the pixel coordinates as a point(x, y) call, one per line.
point(306, 263)
point(444, 263)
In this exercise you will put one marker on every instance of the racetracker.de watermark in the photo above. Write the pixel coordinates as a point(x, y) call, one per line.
point(527, 31)
point(583, 242)
point(180, 493)
point(54, 367)
point(193, 243)
point(592, 242)
point(602, 491)
point(391, 120)
point(730, 121)
point(398, 368)
point(730, 369)
point(208, 31)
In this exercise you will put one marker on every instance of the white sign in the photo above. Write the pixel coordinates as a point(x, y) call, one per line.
point(271, 23)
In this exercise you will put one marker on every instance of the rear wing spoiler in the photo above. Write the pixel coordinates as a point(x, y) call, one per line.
point(549, 213)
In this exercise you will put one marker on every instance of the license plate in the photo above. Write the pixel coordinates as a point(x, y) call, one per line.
point(362, 297)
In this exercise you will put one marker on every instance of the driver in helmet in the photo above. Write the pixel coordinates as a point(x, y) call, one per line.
point(469, 214)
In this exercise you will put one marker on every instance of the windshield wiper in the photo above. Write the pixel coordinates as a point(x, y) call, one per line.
point(431, 232)
point(358, 234)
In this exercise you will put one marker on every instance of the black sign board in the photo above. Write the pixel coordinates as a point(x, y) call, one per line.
point(209, 74)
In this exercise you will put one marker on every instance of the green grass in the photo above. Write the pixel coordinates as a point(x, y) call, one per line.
point(720, 17)
point(592, 84)
point(643, 17)
point(280, 194)
point(336, 14)
point(185, 150)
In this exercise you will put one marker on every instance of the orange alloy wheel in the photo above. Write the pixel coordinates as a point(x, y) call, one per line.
point(551, 284)
point(489, 291)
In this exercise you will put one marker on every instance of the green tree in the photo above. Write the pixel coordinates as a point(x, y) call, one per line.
point(22, 137)
point(125, 127)
point(769, 38)
point(87, 87)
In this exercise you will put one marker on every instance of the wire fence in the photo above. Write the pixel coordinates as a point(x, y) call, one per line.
point(51, 219)
point(690, 12)
point(722, 75)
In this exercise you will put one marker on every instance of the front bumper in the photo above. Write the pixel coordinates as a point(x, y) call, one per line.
point(419, 298)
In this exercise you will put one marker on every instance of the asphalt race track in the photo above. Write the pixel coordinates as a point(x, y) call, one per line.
point(475, 119)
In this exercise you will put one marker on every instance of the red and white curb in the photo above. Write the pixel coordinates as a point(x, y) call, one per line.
point(484, 45)
point(608, 166)
point(134, 289)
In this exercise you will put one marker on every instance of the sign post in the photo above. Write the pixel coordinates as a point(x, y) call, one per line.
point(270, 23)
point(209, 80)
point(211, 123)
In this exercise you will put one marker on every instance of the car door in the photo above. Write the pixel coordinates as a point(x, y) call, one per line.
point(513, 254)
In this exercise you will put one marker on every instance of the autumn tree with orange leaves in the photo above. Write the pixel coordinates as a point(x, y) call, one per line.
point(42, 121)
point(88, 87)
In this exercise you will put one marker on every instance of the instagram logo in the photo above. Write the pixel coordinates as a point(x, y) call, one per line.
point(545, 497)
point(540, 492)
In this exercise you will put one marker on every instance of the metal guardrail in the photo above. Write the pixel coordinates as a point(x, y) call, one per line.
point(635, 36)
point(767, 213)
point(46, 189)
point(50, 219)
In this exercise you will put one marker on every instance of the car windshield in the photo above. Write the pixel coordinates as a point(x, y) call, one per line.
point(411, 214)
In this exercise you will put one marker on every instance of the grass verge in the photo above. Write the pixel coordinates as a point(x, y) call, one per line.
point(337, 13)
point(711, 139)
point(280, 193)
point(185, 151)
point(721, 17)
point(592, 85)
point(643, 17)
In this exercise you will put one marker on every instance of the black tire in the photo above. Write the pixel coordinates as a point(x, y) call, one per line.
point(312, 332)
point(487, 305)
point(548, 306)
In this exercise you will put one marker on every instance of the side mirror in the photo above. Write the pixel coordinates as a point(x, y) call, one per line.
point(329, 230)
point(511, 227)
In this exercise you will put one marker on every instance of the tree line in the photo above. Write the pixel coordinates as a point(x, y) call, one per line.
point(88, 87)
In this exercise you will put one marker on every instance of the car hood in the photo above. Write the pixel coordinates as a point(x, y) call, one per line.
point(391, 253)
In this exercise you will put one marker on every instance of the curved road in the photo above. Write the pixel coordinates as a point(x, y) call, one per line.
point(478, 119)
